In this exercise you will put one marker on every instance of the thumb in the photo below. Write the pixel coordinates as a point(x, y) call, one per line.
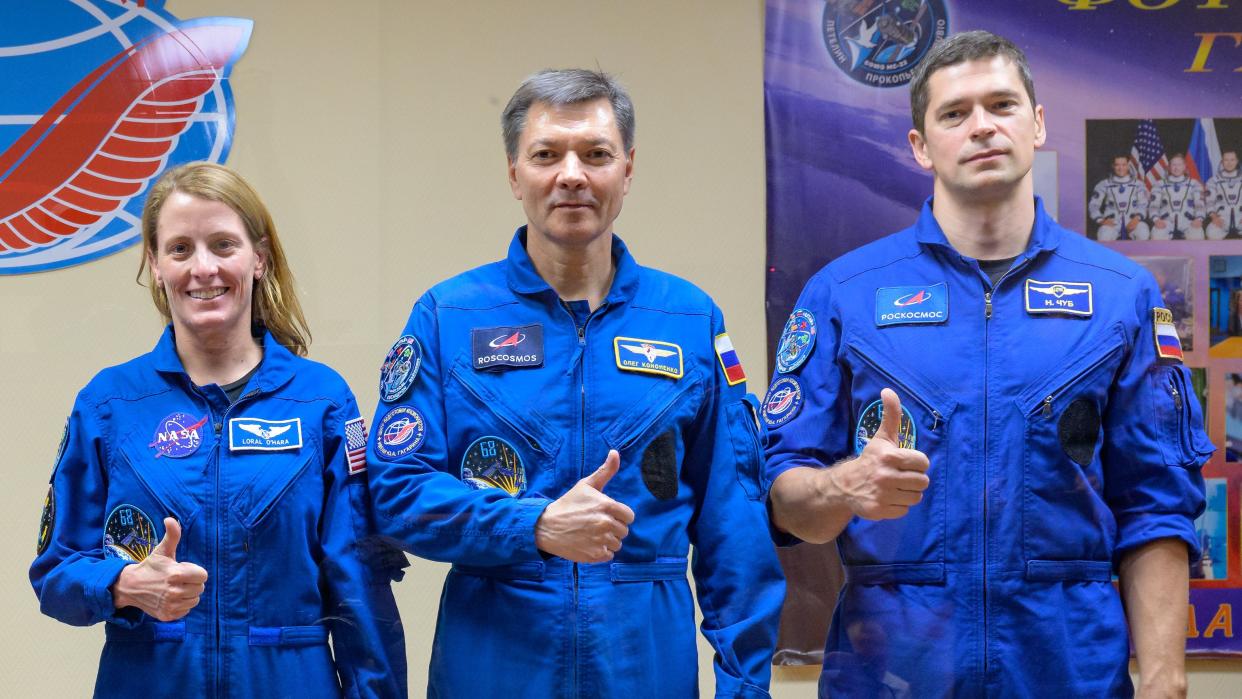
point(172, 536)
point(890, 417)
point(605, 472)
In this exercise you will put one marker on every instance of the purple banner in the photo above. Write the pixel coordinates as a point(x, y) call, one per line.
point(1151, 88)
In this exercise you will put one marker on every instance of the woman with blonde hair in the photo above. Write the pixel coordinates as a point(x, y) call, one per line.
point(209, 502)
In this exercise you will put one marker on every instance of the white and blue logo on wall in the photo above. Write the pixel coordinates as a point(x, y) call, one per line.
point(880, 43)
point(101, 96)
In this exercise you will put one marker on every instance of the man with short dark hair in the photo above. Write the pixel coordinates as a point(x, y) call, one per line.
point(509, 387)
point(1223, 194)
point(990, 416)
point(1177, 204)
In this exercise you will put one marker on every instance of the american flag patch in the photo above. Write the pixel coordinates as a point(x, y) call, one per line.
point(356, 445)
point(732, 366)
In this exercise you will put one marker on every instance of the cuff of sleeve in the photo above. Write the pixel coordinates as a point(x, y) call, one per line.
point(530, 509)
point(1143, 529)
point(100, 597)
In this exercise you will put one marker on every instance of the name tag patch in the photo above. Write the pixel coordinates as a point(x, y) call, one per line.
point(257, 434)
point(900, 305)
point(1068, 298)
point(495, 348)
point(648, 356)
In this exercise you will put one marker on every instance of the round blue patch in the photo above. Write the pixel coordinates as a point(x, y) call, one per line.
point(783, 401)
point(47, 520)
point(178, 435)
point(399, 432)
point(128, 534)
point(869, 422)
point(882, 44)
point(400, 367)
point(491, 462)
point(797, 341)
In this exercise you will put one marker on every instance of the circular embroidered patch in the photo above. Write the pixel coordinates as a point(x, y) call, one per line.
point(869, 423)
point(178, 435)
point(64, 441)
point(880, 44)
point(399, 432)
point(783, 401)
point(797, 341)
point(128, 534)
point(400, 367)
point(491, 462)
point(47, 521)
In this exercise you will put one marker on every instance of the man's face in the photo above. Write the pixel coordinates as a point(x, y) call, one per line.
point(981, 130)
point(1177, 166)
point(1121, 166)
point(571, 171)
point(1229, 161)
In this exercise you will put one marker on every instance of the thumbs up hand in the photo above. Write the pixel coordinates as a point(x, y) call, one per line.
point(584, 525)
point(885, 480)
point(159, 585)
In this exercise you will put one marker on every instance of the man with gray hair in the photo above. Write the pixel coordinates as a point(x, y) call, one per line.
point(562, 426)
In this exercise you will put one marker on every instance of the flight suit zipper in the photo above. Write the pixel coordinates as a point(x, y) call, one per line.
point(580, 331)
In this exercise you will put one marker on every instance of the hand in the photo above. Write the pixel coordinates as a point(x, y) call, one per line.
point(159, 585)
point(885, 481)
point(584, 525)
point(1133, 223)
point(1108, 221)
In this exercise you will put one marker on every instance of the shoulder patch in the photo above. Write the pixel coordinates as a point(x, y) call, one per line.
point(648, 356)
point(491, 462)
point(1068, 298)
point(129, 534)
point(356, 445)
point(729, 361)
point(400, 368)
point(399, 432)
point(47, 520)
point(783, 401)
point(1168, 344)
point(797, 340)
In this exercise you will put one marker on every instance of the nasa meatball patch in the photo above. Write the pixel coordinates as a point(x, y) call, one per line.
point(178, 435)
point(498, 348)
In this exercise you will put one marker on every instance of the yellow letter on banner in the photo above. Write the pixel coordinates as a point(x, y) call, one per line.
point(1212, 5)
point(1199, 65)
point(1223, 621)
point(1192, 627)
point(1142, 4)
point(1084, 4)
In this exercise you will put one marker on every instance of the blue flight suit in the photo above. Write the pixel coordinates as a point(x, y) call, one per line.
point(513, 397)
point(267, 505)
point(1060, 437)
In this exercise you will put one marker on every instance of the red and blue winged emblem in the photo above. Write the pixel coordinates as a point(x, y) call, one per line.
point(71, 181)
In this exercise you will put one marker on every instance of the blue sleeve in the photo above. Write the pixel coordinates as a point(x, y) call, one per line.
point(736, 572)
point(70, 574)
point(367, 638)
point(419, 501)
point(1154, 442)
point(818, 434)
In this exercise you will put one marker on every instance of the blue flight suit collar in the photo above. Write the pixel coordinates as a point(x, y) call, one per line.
point(1045, 235)
point(275, 369)
point(524, 279)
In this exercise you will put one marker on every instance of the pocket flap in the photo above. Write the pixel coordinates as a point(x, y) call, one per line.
point(532, 426)
point(273, 480)
point(631, 425)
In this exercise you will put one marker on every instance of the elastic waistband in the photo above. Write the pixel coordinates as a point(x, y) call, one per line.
point(175, 632)
point(617, 571)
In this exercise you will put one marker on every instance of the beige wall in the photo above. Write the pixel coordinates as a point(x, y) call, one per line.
point(370, 127)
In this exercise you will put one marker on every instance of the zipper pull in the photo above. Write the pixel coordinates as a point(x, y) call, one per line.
point(582, 334)
point(1048, 406)
point(935, 419)
point(987, 305)
point(1177, 397)
point(573, 361)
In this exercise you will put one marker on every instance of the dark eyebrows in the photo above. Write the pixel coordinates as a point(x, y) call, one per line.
point(995, 94)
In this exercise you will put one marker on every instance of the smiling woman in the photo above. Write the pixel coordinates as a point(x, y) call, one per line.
point(223, 416)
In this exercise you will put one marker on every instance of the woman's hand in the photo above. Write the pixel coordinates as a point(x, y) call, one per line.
point(159, 585)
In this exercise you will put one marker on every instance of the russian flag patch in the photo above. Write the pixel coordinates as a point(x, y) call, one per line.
point(728, 360)
point(1168, 345)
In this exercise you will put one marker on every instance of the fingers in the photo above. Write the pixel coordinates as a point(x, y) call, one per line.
point(619, 511)
point(890, 417)
point(605, 472)
point(172, 536)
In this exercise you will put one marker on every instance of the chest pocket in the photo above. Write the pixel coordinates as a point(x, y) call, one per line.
point(485, 412)
point(919, 536)
point(160, 478)
point(276, 475)
point(649, 435)
point(1064, 515)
